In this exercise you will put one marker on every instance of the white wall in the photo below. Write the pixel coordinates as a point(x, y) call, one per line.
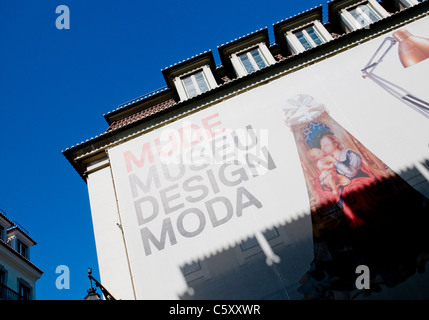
point(112, 258)
point(16, 269)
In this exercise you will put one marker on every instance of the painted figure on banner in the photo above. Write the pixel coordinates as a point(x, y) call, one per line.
point(362, 212)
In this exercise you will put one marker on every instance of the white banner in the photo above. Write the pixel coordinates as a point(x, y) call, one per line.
point(204, 183)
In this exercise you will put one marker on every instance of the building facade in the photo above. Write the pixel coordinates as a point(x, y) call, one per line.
point(18, 275)
point(295, 169)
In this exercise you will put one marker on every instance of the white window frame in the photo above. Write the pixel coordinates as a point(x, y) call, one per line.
point(351, 24)
point(194, 82)
point(252, 59)
point(296, 45)
point(308, 38)
point(264, 52)
point(208, 77)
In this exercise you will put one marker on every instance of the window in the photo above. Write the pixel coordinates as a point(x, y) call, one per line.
point(194, 80)
point(22, 249)
point(364, 14)
point(309, 37)
point(2, 237)
point(2, 277)
point(195, 84)
point(24, 291)
point(250, 57)
point(252, 60)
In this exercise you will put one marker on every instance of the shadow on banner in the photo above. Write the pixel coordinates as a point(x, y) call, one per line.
point(362, 214)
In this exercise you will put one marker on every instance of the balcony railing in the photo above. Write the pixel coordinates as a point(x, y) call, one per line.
point(7, 293)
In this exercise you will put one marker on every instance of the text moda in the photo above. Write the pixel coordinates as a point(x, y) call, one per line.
point(150, 197)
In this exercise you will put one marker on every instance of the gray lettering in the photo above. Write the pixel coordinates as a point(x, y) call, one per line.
point(167, 199)
point(240, 173)
point(212, 213)
point(213, 182)
point(152, 178)
point(254, 162)
point(189, 188)
point(181, 228)
point(167, 229)
point(219, 145)
point(248, 145)
point(169, 176)
point(138, 207)
point(199, 159)
point(241, 205)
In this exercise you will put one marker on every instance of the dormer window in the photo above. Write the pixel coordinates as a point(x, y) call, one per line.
point(195, 84)
point(362, 15)
point(252, 60)
point(192, 77)
point(307, 37)
point(20, 241)
point(247, 54)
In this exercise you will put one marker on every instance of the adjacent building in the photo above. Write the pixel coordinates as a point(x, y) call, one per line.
point(18, 275)
point(294, 168)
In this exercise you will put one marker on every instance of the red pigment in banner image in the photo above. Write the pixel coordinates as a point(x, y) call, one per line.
point(362, 212)
point(172, 191)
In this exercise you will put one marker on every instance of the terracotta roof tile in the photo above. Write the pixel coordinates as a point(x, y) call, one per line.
point(141, 115)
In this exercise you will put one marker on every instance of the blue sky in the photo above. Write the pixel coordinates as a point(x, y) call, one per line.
point(55, 86)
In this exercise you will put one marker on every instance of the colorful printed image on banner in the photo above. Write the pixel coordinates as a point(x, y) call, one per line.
point(362, 212)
